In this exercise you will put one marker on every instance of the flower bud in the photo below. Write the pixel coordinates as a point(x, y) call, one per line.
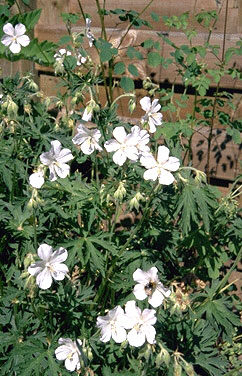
point(120, 193)
point(33, 86)
point(177, 370)
point(189, 369)
point(27, 109)
point(134, 202)
point(11, 107)
point(132, 105)
point(28, 260)
point(163, 356)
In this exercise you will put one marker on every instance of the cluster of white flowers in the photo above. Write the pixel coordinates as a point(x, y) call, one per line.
point(139, 323)
point(62, 53)
point(15, 37)
point(132, 146)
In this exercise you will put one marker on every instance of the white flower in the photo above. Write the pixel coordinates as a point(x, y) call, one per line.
point(69, 352)
point(80, 59)
point(14, 37)
point(87, 114)
point(143, 138)
point(50, 267)
point(56, 160)
point(123, 146)
point(140, 323)
point(87, 138)
point(36, 179)
point(150, 285)
point(60, 55)
point(161, 168)
point(152, 116)
point(89, 34)
point(112, 325)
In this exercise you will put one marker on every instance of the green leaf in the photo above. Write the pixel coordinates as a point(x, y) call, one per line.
point(127, 84)
point(148, 43)
point(96, 257)
point(65, 39)
point(70, 17)
point(133, 70)
point(155, 17)
point(235, 134)
point(119, 68)
point(70, 63)
point(154, 59)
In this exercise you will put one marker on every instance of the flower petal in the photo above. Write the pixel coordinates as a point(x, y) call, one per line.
point(120, 134)
point(166, 178)
point(46, 158)
point(64, 156)
point(62, 170)
point(150, 333)
point(151, 174)
point(152, 272)
point(60, 255)
point(139, 292)
point(71, 363)
point(135, 338)
point(45, 252)
point(163, 154)
point(87, 147)
point(148, 161)
point(15, 47)
point(172, 164)
point(141, 276)
point(36, 179)
point(62, 352)
point(148, 316)
point(36, 268)
point(119, 157)
point(20, 29)
point(119, 334)
point(106, 333)
point(44, 279)
point(23, 40)
point(6, 40)
point(53, 175)
point(9, 29)
point(111, 145)
point(155, 106)
point(145, 103)
point(87, 115)
point(156, 299)
point(56, 147)
point(60, 271)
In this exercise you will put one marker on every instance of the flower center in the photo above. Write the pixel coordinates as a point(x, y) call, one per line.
point(49, 267)
point(150, 288)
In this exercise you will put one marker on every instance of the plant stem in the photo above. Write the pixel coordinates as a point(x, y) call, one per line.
point(99, 296)
point(210, 136)
point(129, 27)
point(101, 16)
